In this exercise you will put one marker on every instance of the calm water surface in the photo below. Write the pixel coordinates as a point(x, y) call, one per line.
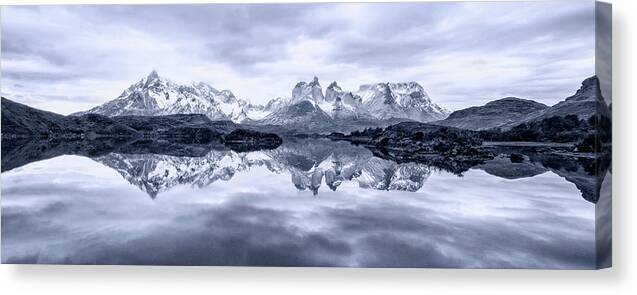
point(313, 203)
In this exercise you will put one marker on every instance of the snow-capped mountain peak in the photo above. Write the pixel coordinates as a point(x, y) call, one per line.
point(152, 76)
point(400, 100)
point(333, 91)
point(156, 95)
point(308, 91)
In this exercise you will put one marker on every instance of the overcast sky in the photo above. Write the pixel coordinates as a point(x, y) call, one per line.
point(71, 58)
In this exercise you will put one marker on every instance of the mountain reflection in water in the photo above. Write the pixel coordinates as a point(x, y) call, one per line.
point(214, 206)
point(157, 167)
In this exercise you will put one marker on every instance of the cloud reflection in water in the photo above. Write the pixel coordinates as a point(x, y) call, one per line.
point(74, 210)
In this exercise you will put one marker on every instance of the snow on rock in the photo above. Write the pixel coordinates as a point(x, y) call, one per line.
point(400, 100)
point(155, 95)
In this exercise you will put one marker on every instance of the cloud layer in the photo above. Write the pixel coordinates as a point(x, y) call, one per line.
point(70, 58)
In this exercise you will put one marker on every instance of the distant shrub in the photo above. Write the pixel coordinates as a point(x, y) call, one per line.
point(591, 143)
point(516, 158)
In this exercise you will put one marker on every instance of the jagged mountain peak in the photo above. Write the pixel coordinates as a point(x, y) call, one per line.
point(509, 112)
point(591, 81)
point(333, 92)
point(334, 85)
point(314, 82)
point(152, 79)
point(227, 93)
point(308, 91)
point(153, 75)
point(589, 90)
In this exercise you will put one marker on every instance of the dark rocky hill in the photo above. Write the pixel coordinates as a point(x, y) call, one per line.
point(19, 120)
point(493, 114)
point(510, 112)
point(586, 102)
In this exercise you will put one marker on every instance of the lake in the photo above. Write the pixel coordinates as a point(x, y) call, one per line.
point(306, 203)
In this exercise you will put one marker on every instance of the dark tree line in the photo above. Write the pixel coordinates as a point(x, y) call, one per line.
point(590, 134)
point(368, 132)
point(554, 129)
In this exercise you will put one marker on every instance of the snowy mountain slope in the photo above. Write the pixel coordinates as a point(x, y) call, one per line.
point(154, 95)
point(344, 104)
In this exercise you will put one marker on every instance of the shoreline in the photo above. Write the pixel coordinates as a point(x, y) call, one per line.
point(527, 144)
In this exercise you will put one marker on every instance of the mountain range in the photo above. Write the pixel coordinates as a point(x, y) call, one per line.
point(311, 109)
point(309, 106)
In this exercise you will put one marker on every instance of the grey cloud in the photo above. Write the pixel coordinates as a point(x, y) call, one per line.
point(41, 76)
point(21, 47)
point(379, 39)
point(386, 45)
